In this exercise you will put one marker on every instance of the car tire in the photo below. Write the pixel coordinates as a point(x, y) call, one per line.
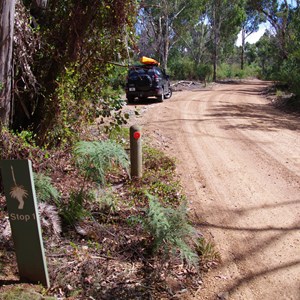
point(160, 98)
point(168, 95)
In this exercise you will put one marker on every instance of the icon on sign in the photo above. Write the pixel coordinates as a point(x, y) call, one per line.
point(17, 191)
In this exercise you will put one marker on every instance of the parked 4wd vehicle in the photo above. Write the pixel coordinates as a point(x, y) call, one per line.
point(145, 81)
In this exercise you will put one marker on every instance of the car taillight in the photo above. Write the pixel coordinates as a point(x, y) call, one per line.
point(156, 78)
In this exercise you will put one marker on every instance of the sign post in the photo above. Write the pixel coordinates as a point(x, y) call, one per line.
point(24, 220)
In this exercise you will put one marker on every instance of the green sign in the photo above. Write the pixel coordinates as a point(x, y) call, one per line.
point(24, 220)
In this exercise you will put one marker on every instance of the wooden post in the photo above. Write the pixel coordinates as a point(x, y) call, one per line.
point(136, 151)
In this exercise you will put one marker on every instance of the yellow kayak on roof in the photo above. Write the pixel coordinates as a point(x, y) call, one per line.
point(148, 61)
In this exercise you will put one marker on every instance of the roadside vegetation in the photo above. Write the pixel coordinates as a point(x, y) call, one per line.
point(108, 235)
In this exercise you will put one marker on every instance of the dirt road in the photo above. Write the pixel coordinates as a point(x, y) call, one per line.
point(239, 161)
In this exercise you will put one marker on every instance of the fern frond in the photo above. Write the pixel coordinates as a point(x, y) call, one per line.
point(95, 158)
point(45, 191)
point(74, 211)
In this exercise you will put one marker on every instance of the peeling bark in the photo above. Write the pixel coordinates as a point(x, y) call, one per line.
point(7, 11)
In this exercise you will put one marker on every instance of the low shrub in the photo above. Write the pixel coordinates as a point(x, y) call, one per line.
point(94, 159)
point(169, 230)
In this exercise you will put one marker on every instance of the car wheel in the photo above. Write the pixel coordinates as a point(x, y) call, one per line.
point(160, 98)
point(168, 95)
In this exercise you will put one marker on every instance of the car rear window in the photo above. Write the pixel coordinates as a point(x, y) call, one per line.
point(141, 71)
point(136, 71)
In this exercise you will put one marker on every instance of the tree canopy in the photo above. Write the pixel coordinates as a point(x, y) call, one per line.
point(61, 63)
point(56, 73)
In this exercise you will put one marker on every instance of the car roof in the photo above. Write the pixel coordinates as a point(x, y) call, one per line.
point(143, 67)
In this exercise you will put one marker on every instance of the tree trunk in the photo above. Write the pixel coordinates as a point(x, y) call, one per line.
point(166, 42)
point(215, 42)
point(243, 48)
point(7, 12)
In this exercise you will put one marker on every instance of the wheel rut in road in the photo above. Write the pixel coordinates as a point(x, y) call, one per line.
point(239, 161)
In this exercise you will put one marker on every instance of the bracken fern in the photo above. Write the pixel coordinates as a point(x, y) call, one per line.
point(74, 210)
point(45, 191)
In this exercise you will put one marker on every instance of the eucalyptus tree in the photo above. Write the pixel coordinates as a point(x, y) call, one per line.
point(194, 42)
point(163, 22)
point(290, 68)
point(277, 13)
point(250, 25)
point(7, 11)
point(266, 55)
point(280, 48)
point(225, 18)
point(9, 25)
point(191, 57)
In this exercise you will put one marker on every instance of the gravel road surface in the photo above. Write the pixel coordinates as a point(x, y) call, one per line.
point(239, 162)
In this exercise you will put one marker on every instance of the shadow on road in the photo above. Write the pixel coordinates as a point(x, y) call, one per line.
point(261, 244)
point(252, 116)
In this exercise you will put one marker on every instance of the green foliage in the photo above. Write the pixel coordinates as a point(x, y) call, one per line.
point(277, 52)
point(155, 159)
point(79, 104)
point(204, 72)
point(107, 202)
point(112, 110)
point(268, 57)
point(23, 293)
point(73, 80)
point(95, 159)
point(182, 69)
point(20, 146)
point(169, 229)
point(45, 191)
point(74, 211)
point(164, 23)
point(185, 68)
point(66, 121)
point(158, 179)
point(27, 137)
point(290, 73)
point(120, 135)
point(233, 71)
point(230, 71)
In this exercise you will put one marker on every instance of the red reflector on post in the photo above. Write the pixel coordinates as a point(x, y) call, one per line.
point(137, 135)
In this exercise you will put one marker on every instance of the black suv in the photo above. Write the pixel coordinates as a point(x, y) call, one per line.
point(145, 81)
